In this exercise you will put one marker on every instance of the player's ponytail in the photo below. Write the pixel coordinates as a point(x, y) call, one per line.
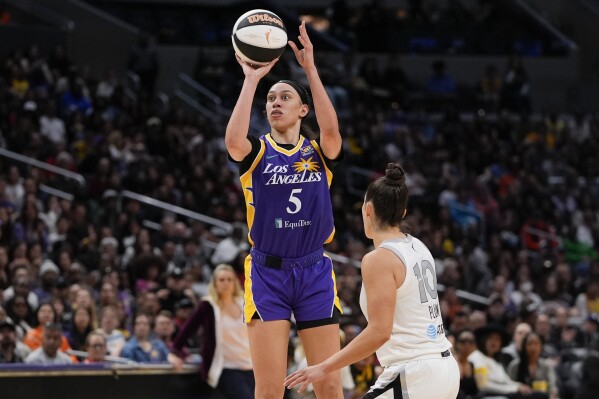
point(389, 196)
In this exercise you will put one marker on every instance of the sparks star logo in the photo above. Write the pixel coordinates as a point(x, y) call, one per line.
point(303, 165)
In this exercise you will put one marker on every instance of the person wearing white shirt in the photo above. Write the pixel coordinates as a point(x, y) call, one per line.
point(51, 126)
point(49, 352)
point(491, 378)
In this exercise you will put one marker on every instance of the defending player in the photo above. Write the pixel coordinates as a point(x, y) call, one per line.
point(399, 298)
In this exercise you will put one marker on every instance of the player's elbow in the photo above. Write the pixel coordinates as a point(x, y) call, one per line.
point(381, 335)
point(231, 142)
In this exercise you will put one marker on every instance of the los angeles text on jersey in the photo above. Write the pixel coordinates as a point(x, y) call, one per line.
point(280, 176)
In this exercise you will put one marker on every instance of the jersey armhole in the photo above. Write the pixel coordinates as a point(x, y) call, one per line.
point(403, 260)
point(256, 160)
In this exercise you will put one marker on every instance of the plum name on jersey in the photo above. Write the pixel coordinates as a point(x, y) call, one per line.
point(279, 175)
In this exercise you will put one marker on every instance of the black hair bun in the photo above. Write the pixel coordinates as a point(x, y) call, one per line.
point(395, 174)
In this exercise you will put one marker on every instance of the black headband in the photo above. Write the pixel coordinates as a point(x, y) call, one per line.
point(301, 90)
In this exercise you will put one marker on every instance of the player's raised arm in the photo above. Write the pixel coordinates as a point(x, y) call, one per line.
point(330, 138)
point(239, 124)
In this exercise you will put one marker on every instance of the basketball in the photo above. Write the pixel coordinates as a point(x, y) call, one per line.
point(259, 36)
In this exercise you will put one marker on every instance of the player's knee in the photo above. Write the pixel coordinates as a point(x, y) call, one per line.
point(269, 392)
point(328, 388)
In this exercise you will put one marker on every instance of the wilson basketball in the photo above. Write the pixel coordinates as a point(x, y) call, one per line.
point(259, 36)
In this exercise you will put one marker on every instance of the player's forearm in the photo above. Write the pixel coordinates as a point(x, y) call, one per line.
point(239, 123)
point(326, 115)
point(359, 348)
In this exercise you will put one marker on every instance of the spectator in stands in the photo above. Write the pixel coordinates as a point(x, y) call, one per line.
point(142, 348)
point(148, 268)
point(21, 285)
point(491, 378)
point(440, 83)
point(84, 300)
point(14, 190)
point(108, 295)
point(115, 339)
point(531, 369)
point(564, 334)
point(95, 345)
point(80, 328)
point(226, 364)
point(45, 316)
point(19, 85)
point(74, 100)
point(465, 344)
point(590, 332)
point(21, 314)
point(29, 227)
point(48, 353)
point(164, 327)
point(228, 248)
point(51, 126)
point(176, 289)
point(476, 273)
point(11, 350)
point(148, 303)
point(49, 274)
point(588, 301)
point(516, 89)
point(183, 311)
point(542, 327)
point(143, 61)
point(512, 351)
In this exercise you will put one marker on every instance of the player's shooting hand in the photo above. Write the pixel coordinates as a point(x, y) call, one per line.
point(305, 377)
point(305, 56)
point(255, 71)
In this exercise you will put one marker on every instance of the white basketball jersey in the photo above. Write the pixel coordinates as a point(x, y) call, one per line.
point(417, 324)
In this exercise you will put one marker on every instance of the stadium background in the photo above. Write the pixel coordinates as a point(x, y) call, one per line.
point(491, 106)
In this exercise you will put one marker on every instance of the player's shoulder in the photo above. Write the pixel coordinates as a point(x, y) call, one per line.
point(379, 260)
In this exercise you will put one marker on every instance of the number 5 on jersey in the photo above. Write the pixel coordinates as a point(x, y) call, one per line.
point(295, 201)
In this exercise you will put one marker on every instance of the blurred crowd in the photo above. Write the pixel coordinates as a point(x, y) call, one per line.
point(439, 26)
point(507, 201)
point(408, 26)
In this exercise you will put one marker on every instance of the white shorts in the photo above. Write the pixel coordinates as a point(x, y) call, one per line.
point(418, 379)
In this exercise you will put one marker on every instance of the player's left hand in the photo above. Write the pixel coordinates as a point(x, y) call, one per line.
point(305, 56)
point(305, 377)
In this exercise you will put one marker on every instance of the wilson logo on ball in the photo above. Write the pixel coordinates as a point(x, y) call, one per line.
point(252, 19)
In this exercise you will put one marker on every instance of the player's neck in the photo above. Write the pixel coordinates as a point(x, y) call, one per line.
point(288, 137)
point(389, 234)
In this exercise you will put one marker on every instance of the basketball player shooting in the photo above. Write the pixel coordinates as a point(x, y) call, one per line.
point(285, 178)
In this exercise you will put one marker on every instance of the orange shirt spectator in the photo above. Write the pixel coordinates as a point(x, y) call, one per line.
point(33, 339)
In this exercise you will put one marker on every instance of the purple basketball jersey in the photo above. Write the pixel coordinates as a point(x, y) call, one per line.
point(288, 201)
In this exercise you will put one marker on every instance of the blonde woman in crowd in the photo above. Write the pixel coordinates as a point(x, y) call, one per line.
point(227, 365)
